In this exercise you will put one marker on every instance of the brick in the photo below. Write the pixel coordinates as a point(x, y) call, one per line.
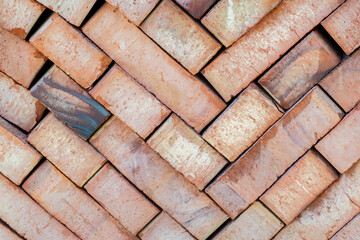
point(340, 146)
point(300, 69)
point(186, 151)
point(299, 186)
point(157, 179)
point(129, 101)
point(256, 223)
point(277, 150)
point(76, 158)
point(163, 227)
point(73, 11)
point(344, 25)
point(69, 102)
point(18, 59)
point(121, 199)
point(229, 20)
point(180, 36)
point(71, 205)
point(196, 8)
point(17, 157)
point(238, 127)
point(26, 217)
point(350, 231)
point(69, 49)
point(260, 47)
point(135, 11)
point(18, 17)
point(342, 83)
point(159, 73)
point(7, 234)
point(17, 105)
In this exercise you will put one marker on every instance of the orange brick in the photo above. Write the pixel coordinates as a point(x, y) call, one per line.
point(277, 149)
point(229, 20)
point(130, 102)
point(17, 157)
point(180, 36)
point(279, 30)
point(69, 49)
point(351, 231)
point(159, 73)
point(121, 199)
point(163, 227)
point(76, 158)
point(299, 186)
point(196, 8)
point(7, 234)
point(186, 151)
point(18, 59)
point(300, 69)
point(17, 105)
point(157, 179)
point(19, 16)
point(344, 25)
point(72, 206)
point(26, 217)
point(242, 123)
point(343, 83)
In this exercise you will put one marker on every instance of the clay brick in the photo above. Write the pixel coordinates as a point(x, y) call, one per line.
point(343, 83)
point(340, 146)
point(18, 59)
point(300, 69)
point(277, 149)
point(73, 11)
point(159, 73)
point(157, 179)
point(186, 151)
point(196, 8)
point(130, 102)
point(72, 206)
point(344, 25)
point(17, 105)
point(260, 47)
point(70, 102)
point(76, 158)
point(26, 217)
point(229, 20)
point(19, 16)
point(7, 234)
point(299, 186)
point(351, 231)
point(242, 123)
point(180, 36)
point(163, 227)
point(121, 199)
point(69, 49)
point(17, 157)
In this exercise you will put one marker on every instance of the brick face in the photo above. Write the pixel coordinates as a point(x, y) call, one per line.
point(350, 230)
point(7, 234)
point(196, 7)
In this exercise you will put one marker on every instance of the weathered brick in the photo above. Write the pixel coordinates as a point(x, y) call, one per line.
point(242, 123)
point(350, 231)
point(196, 8)
point(157, 179)
point(277, 149)
point(69, 49)
point(76, 158)
point(260, 47)
point(7, 234)
point(130, 102)
point(159, 73)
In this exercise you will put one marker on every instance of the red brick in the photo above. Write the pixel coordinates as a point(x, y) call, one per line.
point(159, 73)
point(242, 123)
point(7, 234)
point(300, 69)
point(71, 205)
point(350, 231)
point(69, 49)
point(196, 8)
point(344, 25)
point(180, 36)
point(157, 179)
point(277, 149)
point(76, 158)
point(299, 186)
point(186, 151)
point(279, 30)
point(130, 102)
point(121, 199)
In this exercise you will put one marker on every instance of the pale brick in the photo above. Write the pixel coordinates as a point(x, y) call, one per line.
point(7, 234)
point(350, 231)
